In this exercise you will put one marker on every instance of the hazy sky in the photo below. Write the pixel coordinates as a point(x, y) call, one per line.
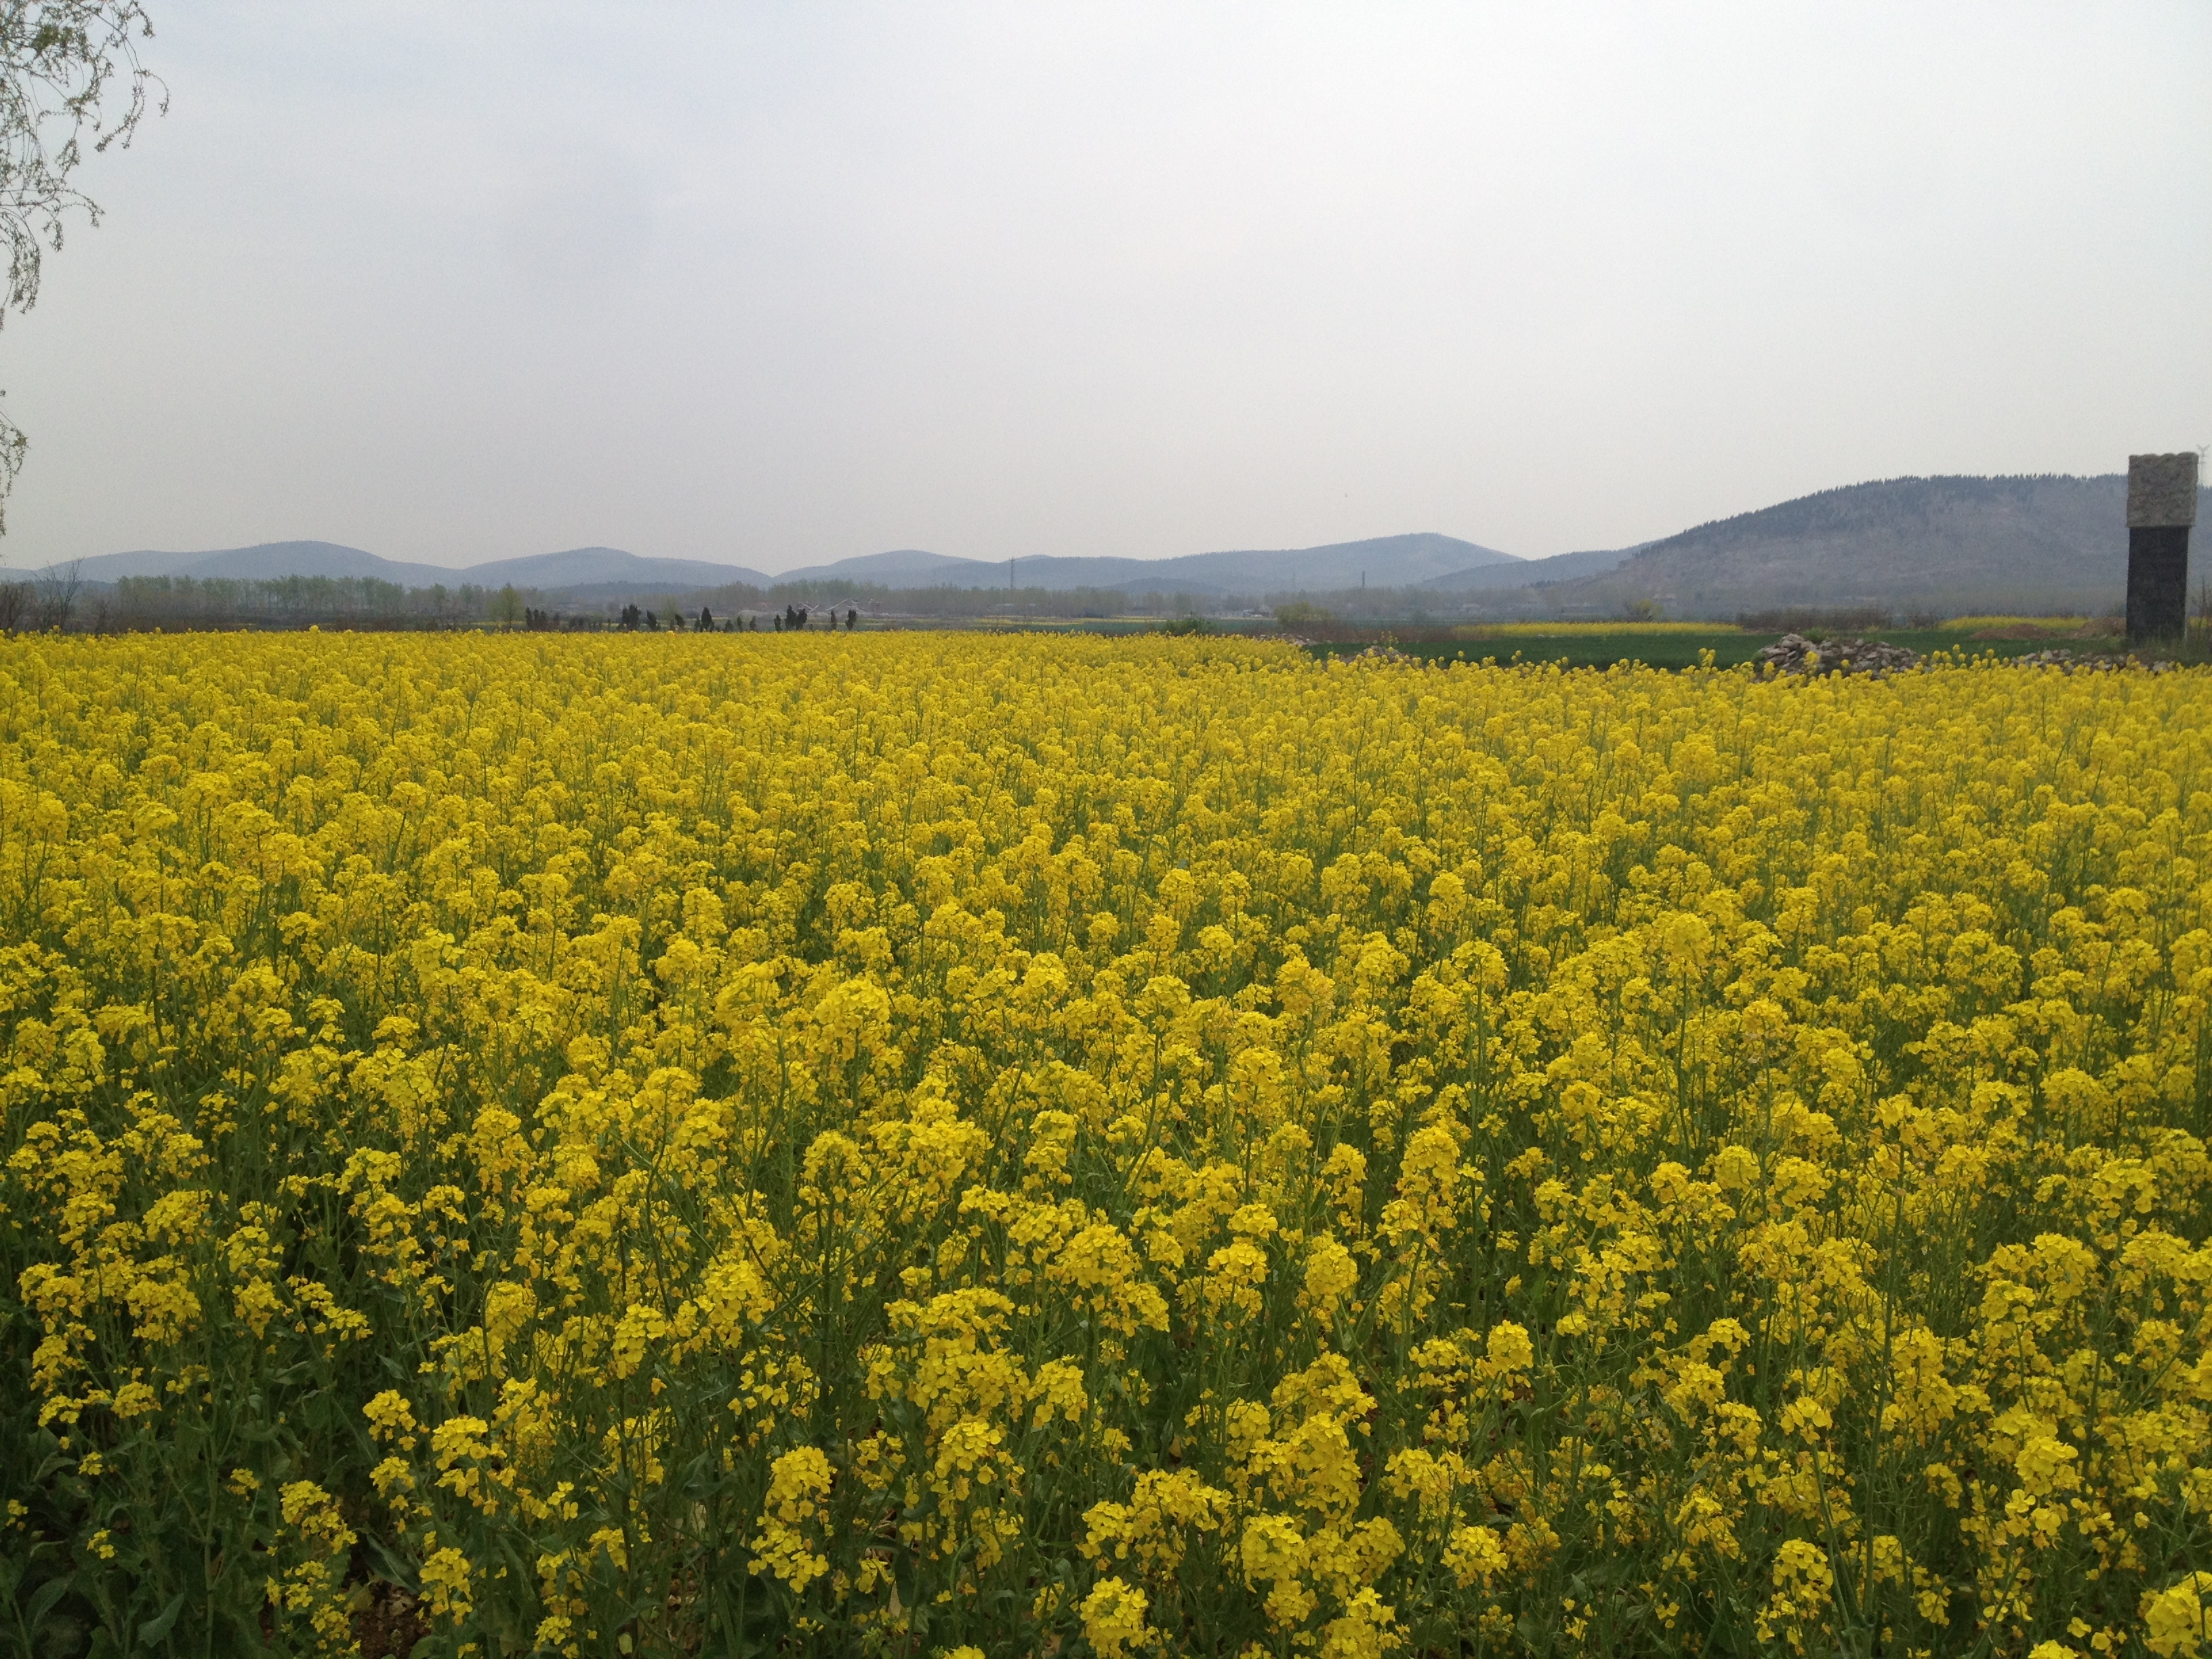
point(775, 284)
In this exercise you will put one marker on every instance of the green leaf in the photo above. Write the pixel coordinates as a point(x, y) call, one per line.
point(42, 1602)
point(155, 1630)
point(396, 1568)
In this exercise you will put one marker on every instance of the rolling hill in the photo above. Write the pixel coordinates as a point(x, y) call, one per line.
point(1527, 573)
point(594, 572)
point(2043, 542)
point(906, 567)
point(1383, 562)
point(2032, 542)
point(265, 561)
point(579, 567)
point(605, 566)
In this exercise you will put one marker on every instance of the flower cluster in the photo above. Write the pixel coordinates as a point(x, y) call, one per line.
point(911, 1143)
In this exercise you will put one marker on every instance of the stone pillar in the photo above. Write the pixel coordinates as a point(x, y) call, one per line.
point(2162, 507)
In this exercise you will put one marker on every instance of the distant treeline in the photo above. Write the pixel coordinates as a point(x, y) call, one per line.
point(1374, 604)
point(138, 601)
point(56, 600)
point(356, 601)
point(875, 600)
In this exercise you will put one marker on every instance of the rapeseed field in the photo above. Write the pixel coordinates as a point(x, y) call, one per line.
point(936, 1145)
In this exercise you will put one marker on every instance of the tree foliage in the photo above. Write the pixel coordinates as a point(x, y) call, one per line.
point(71, 84)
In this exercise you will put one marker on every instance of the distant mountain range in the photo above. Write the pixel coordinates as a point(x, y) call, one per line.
point(549, 572)
point(1527, 573)
point(1383, 561)
point(2003, 543)
point(2006, 544)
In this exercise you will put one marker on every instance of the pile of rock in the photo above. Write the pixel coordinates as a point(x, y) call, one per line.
point(1793, 653)
point(1387, 654)
point(2086, 662)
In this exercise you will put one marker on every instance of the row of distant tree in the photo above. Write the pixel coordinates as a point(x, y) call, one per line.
point(792, 618)
point(57, 599)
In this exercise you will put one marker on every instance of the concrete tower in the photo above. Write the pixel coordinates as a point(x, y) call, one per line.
point(2162, 507)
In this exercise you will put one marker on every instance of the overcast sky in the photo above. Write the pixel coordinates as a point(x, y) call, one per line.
point(777, 284)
